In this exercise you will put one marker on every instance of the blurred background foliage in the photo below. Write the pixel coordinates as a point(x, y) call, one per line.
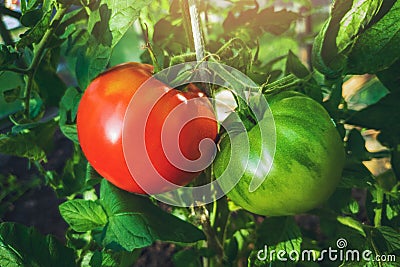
point(41, 164)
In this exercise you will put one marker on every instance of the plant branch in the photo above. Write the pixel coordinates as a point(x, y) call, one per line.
point(212, 240)
point(198, 40)
point(197, 33)
point(186, 23)
point(40, 51)
point(145, 31)
point(14, 69)
point(378, 209)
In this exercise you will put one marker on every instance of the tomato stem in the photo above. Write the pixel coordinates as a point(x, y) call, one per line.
point(148, 46)
point(191, 17)
point(14, 69)
point(197, 33)
point(212, 241)
point(40, 51)
point(378, 209)
point(186, 23)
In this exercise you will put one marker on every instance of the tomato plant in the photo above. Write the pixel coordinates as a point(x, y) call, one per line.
point(330, 74)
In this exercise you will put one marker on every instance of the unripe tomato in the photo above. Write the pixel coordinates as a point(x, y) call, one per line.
point(307, 164)
point(100, 121)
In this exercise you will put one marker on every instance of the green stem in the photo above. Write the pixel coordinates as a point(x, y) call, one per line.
point(212, 240)
point(145, 31)
point(376, 250)
point(379, 154)
point(40, 51)
point(186, 23)
point(197, 33)
point(14, 69)
point(379, 203)
point(191, 17)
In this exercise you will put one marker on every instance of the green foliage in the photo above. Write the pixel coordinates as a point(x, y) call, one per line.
point(134, 222)
point(22, 246)
point(126, 222)
point(360, 37)
point(286, 237)
point(83, 215)
point(30, 141)
point(68, 110)
point(11, 188)
point(62, 45)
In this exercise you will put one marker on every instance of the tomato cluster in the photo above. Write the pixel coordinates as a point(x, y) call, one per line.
point(306, 166)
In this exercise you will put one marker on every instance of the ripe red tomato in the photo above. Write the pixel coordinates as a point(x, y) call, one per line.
point(100, 122)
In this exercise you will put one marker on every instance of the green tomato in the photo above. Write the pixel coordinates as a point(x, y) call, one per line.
point(307, 164)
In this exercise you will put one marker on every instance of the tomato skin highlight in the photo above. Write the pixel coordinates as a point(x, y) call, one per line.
point(100, 121)
point(307, 164)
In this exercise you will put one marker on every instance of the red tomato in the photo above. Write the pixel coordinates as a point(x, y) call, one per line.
point(100, 122)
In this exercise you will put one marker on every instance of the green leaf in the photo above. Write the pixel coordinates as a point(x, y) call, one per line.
point(135, 222)
point(83, 215)
point(325, 54)
point(12, 95)
point(50, 85)
point(32, 144)
point(187, 258)
point(69, 103)
point(35, 34)
point(231, 249)
point(22, 146)
point(359, 37)
point(114, 259)
point(71, 132)
point(74, 178)
point(378, 47)
point(340, 200)
point(30, 18)
point(391, 77)
point(112, 19)
point(356, 20)
point(276, 233)
point(390, 241)
point(22, 246)
point(395, 161)
point(236, 54)
point(9, 81)
point(7, 55)
point(267, 20)
point(68, 110)
point(355, 174)
point(377, 117)
point(92, 59)
point(387, 180)
point(352, 223)
point(27, 6)
point(392, 236)
point(294, 66)
point(355, 145)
